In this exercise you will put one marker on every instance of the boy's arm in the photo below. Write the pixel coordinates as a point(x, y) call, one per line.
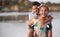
point(30, 16)
point(49, 19)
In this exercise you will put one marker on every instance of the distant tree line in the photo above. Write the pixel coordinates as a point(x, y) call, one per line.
point(23, 5)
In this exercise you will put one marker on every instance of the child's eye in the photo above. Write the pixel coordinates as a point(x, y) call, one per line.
point(45, 9)
point(41, 10)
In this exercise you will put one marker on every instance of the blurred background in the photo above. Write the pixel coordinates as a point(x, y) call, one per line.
point(14, 17)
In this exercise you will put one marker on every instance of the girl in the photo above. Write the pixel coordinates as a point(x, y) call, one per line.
point(39, 24)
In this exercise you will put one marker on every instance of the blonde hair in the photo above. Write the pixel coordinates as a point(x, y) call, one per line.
point(44, 5)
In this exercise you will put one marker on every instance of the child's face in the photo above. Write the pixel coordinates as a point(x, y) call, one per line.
point(35, 9)
point(43, 11)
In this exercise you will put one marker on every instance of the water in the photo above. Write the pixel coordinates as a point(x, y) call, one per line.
point(13, 29)
point(56, 24)
point(18, 29)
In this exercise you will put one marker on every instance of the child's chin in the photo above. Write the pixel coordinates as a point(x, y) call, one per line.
point(43, 15)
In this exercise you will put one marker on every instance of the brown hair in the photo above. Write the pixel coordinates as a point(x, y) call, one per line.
point(44, 5)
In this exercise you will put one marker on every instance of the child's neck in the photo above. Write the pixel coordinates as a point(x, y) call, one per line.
point(42, 20)
point(34, 12)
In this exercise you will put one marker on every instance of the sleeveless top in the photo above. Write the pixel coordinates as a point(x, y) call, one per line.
point(40, 32)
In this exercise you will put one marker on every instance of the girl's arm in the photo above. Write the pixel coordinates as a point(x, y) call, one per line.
point(30, 30)
point(31, 22)
point(50, 26)
point(50, 31)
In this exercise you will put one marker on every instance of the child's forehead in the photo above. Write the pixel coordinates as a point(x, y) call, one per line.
point(44, 7)
point(34, 6)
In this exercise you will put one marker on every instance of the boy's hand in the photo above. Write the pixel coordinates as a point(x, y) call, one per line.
point(49, 19)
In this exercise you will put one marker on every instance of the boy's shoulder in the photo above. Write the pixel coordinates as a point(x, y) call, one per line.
point(31, 13)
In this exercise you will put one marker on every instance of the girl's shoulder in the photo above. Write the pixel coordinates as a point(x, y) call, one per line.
point(34, 20)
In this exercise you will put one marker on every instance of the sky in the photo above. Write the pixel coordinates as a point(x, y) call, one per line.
point(52, 1)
